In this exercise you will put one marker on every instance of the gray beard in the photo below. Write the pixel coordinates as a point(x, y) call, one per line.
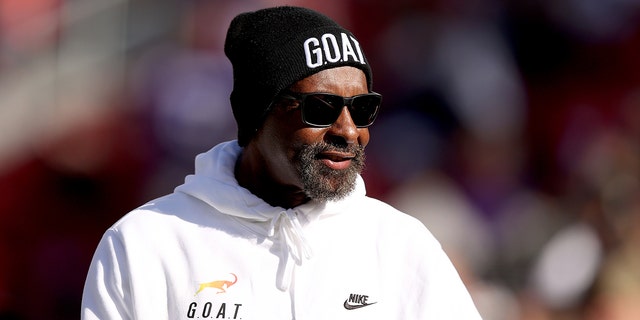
point(325, 184)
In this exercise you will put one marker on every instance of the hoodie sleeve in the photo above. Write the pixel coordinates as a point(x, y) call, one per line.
point(444, 295)
point(107, 284)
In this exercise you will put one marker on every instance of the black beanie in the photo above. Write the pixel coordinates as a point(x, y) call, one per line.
point(273, 48)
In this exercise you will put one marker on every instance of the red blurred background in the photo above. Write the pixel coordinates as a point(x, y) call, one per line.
point(511, 128)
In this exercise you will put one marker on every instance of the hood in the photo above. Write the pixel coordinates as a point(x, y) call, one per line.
point(214, 183)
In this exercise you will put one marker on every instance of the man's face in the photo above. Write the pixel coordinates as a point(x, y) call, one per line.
point(323, 162)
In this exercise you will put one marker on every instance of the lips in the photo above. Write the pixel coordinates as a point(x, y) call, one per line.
point(336, 160)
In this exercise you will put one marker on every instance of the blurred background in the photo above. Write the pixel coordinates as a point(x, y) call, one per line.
point(511, 128)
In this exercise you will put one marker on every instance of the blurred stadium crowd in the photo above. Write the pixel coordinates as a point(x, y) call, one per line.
point(511, 128)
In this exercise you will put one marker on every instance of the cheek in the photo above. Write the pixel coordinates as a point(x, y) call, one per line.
point(280, 138)
point(306, 136)
point(273, 142)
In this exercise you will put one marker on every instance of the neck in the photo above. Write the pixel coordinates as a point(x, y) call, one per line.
point(253, 175)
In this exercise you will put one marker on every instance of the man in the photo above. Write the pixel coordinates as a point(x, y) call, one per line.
point(276, 225)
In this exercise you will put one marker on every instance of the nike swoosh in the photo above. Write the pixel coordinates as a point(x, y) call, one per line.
point(355, 306)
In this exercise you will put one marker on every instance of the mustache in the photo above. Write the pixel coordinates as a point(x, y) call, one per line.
point(321, 147)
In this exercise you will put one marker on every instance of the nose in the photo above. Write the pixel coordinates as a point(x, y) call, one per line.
point(343, 131)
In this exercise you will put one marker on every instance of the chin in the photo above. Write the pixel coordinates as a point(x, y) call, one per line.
point(330, 187)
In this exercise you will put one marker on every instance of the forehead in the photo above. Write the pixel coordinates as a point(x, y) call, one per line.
point(345, 81)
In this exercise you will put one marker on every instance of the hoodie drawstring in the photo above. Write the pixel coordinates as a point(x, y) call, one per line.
point(292, 245)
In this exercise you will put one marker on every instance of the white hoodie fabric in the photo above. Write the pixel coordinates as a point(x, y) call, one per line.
point(213, 250)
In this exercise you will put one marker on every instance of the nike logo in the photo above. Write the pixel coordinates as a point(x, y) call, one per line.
point(357, 301)
point(349, 306)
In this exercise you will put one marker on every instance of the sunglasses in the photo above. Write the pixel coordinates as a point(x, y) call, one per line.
point(323, 109)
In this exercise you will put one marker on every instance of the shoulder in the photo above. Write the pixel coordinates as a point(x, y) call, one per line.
point(390, 222)
point(387, 213)
point(157, 209)
point(164, 216)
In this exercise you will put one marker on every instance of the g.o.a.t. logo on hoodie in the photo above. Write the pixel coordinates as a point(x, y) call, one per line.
point(215, 309)
point(330, 48)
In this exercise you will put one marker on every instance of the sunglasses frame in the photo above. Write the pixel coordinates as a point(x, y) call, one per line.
point(346, 102)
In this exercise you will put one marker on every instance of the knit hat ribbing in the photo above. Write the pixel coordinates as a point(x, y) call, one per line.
point(271, 49)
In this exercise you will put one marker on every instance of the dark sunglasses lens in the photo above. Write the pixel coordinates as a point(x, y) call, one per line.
point(364, 109)
point(321, 109)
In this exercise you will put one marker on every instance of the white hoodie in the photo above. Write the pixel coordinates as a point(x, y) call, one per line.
point(213, 250)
